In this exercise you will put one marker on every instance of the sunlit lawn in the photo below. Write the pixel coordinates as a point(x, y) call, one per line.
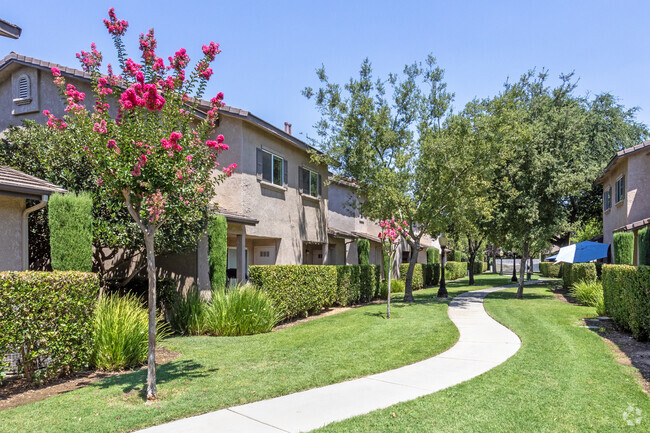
point(214, 373)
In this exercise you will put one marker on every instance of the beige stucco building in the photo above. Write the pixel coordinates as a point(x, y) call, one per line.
point(626, 194)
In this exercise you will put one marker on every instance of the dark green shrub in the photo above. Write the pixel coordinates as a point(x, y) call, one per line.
point(433, 256)
point(550, 269)
point(369, 279)
point(242, 310)
point(48, 316)
point(624, 248)
point(218, 250)
point(431, 274)
point(480, 267)
point(120, 332)
point(574, 272)
point(70, 219)
point(436, 274)
point(455, 270)
point(626, 291)
point(166, 292)
point(418, 277)
point(644, 246)
point(363, 249)
point(348, 284)
point(458, 256)
point(386, 263)
point(299, 290)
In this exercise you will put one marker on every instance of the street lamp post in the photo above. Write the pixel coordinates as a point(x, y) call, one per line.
point(442, 290)
point(514, 266)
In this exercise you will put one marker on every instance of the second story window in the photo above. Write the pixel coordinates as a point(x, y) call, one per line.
point(620, 189)
point(271, 168)
point(310, 183)
point(607, 199)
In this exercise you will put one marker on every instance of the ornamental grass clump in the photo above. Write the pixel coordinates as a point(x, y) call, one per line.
point(243, 310)
point(188, 314)
point(396, 286)
point(589, 293)
point(120, 333)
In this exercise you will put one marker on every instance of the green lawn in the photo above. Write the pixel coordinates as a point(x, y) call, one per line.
point(563, 379)
point(215, 373)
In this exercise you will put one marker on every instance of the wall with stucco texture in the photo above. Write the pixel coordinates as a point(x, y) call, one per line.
point(11, 246)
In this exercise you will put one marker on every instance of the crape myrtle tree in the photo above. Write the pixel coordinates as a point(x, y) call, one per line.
point(390, 237)
point(389, 136)
point(155, 157)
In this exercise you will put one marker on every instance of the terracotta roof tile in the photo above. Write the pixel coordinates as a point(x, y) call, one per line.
point(15, 181)
point(622, 154)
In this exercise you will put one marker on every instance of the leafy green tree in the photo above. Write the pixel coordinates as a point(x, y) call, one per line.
point(363, 251)
point(155, 158)
point(218, 240)
point(389, 136)
point(71, 232)
point(588, 230)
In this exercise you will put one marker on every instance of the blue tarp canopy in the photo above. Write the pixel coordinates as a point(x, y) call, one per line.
point(551, 258)
point(582, 252)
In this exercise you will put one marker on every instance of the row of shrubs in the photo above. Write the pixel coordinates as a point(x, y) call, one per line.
point(455, 270)
point(480, 267)
point(550, 269)
point(627, 298)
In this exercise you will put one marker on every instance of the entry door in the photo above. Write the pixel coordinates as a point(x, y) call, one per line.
point(232, 265)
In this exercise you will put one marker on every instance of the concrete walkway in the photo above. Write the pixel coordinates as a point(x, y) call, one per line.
point(483, 344)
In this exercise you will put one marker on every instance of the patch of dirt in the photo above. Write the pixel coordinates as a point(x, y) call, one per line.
point(17, 392)
point(326, 312)
point(626, 349)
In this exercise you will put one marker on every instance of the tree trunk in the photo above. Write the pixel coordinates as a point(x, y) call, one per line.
point(151, 272)
point(472, 258)
point(494, 260)
point(524, 257)
point(390, 274)
point(530, 268)
point(408, 289)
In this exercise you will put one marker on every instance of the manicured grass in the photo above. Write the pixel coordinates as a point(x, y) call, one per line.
point(218, 372)
point(563, 379)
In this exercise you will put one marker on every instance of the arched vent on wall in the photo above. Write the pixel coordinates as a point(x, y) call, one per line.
point(24, 91)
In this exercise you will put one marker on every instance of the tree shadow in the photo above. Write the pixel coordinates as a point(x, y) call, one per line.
point(512, 295)
point(186, 369)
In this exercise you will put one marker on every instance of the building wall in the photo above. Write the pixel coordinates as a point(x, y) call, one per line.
point(11, 234)
point(617, 216)
point(638, 186)
point(284, 214)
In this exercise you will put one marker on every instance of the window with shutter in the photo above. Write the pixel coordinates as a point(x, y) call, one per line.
point(607, 199)
point(620, 189)
point(310, 184)
point(271, 168)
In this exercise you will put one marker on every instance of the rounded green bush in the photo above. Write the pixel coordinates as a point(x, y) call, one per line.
point(396, 286)
point(240, 311)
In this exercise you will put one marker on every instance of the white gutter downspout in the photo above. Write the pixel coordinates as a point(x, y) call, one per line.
point(26, 212)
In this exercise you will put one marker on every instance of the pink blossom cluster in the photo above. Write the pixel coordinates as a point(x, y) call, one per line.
point(219, 145)
point(180, 60)
point(101, 107)
point(115, 27)
point(73, 99)
point(217, 101)
point(90, 60)
point(102, 86)
point(392, 230)
point(58, 79)
point(131, 68)
point(142, 95)
point(230, 169)
point(100, 127)
point(53, 122)
point(148, 46)
point(206, 73)
point(211, 50)
point(155, 204)
point(112, 144)
point(172, 143)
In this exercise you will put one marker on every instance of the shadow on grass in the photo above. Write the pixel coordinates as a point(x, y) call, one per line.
point(165, 373)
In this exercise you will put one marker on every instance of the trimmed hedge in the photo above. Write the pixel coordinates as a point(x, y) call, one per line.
point(218, 250)
point(431, 274)
point(348, 290)
point(297, 290)
point(574, 272)
point(550, 269)
point(433, 256)
point(626, 290)
point(363, 250)
point(624, 248)
point(644, 246)
point(480, 267)
point(48, 316)
point(418, 275)
point(70, 219)
point(455, 270)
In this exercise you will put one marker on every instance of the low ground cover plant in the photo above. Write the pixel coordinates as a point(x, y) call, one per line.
point(396, 286)
point(188, 313)
point(243, 310)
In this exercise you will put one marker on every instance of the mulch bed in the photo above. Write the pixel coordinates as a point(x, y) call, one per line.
point(626, 349)
point(18, 392)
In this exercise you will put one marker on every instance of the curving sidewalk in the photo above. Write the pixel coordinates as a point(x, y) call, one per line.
point(483, 344)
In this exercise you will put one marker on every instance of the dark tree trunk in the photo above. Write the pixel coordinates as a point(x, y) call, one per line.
point(408, 289)
point(524, 257)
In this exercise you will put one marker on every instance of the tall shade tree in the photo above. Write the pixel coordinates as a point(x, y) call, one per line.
point(155, 156)
point(388, 135)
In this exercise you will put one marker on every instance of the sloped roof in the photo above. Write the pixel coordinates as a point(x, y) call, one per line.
point(9, 30)
point(16, 182)
point(623, 154)
point(12, 58)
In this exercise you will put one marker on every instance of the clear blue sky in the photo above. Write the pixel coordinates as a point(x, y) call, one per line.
point(272, 48)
